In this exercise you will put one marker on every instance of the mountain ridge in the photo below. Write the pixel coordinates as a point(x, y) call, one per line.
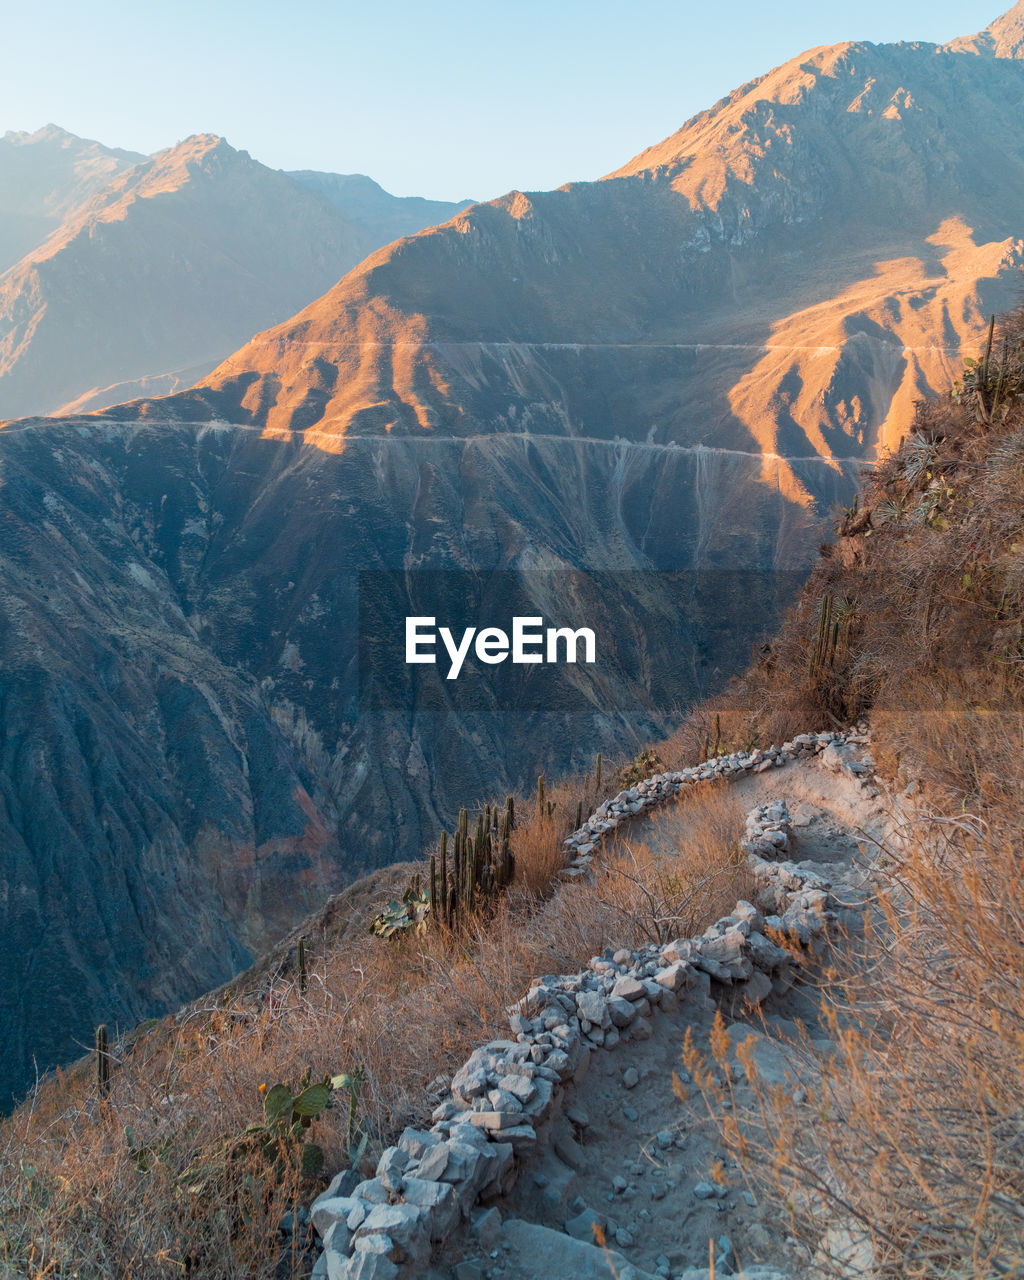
point(479, 398)
point(140, 273)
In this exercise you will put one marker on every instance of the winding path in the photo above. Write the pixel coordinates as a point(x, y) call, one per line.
point(630, 1150)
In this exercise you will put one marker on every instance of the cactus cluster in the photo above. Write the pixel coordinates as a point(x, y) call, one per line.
point(640, 767)
point(709, 750)
point(992, 384)
point(482, 864)
point(835, 623)
point(302, 965)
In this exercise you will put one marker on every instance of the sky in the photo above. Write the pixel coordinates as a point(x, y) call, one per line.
point(449, 99)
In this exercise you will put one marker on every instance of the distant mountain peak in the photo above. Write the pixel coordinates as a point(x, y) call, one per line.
point(1003, 38)
point(48, 133)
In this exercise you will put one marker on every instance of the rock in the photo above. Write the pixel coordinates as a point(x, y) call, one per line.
point(630, 1078)
point(584, 1225)
point(766, 954)
point(434, 1162)
point(593, 1007)
point(567, 1148)
point(745, 911)
point(627, 988)
point(523, 1135)
point(757, 988)
point(504, 1102)
point(624, 1238)
point(438, 1202)
point(342, 1184)
point(364, 1266)
point(631, 1114)
point(378, 1242)
point(496, 1120)
point(578, 1115)
point(338, 1237)
point(521, 1088)
point(468, 1269)
point(622, 1011)
point(553, 1254)
point(415, 1142)
point(641, 1029)
point(404, 1224)
point(674, 977)
point(729, 951)
point(665, 1139)
point(328, 1210)
point(623, 957)
point(487, 1228)
point(705, 1191)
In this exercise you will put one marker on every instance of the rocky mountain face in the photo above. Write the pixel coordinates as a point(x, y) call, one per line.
point(178, 259)
point(127, 275)
point(45, 176)
point(667, 377)
point(190, 764)
point(787, 273)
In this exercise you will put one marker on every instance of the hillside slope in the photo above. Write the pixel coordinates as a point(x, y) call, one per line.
point(677, 369)
point(787, 273)
point(172, 264)
point(44, 177)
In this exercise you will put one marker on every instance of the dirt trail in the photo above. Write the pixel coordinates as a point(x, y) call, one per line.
point(638, 1158)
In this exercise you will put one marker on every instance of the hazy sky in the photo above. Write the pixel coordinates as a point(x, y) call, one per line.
point(443, 98)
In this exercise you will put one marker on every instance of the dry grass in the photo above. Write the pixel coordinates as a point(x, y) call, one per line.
point(75, 1201)
point(911, 1139)
point(651, 895)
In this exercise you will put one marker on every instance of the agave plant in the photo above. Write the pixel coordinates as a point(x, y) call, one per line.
point(406, 916)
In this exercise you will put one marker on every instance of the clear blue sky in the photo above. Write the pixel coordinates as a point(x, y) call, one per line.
point(443, 98)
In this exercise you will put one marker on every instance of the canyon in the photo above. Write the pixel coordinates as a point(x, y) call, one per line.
point(658, 387)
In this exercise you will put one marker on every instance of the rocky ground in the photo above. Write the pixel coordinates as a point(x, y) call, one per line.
point(635, 1183)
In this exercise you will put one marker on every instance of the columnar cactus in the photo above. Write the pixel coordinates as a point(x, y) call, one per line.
point(102, 1060)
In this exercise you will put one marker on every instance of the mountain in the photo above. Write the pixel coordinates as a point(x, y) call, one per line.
point(366, 203)
point(787, 273)
point(668, 378)
point(173, 263)
point(1003, 38)
point(45, 176)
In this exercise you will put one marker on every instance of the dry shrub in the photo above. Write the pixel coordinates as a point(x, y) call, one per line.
point(909, 1146)
point(708, 730)
point(959, 736)
point(74, 1199)
point(538, 836)
point(690, 870)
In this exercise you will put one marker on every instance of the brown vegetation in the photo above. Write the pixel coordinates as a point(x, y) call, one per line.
point(909, 1145)
point(137, 1185)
